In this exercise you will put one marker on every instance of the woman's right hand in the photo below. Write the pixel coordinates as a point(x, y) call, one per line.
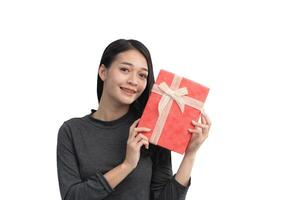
point(134, 143)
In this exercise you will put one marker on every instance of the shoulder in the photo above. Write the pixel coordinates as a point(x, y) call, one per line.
point(70, 123)
point(68, 127)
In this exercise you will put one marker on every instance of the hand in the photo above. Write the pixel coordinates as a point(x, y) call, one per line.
point(134, 143)
point(200, 133)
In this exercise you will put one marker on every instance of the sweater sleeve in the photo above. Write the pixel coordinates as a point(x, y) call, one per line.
point(71, 186)
point(163, 184)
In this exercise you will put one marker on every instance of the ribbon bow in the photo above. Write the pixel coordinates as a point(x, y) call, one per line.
point(169, 94)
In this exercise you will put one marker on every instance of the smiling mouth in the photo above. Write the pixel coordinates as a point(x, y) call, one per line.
point(129, 91)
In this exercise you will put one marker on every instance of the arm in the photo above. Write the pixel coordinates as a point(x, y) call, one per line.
point(118, 174)
point(185, 169)
point(163, 183)
point(164, 186)
point(98, 186)
point(200, 133)
point(72, 187)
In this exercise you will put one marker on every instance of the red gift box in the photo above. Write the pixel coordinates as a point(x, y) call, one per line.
point(172, 105)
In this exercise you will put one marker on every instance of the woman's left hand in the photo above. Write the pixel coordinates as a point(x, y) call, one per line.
point(200, 133)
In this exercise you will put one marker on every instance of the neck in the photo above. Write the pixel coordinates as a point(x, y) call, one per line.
point(109, 111)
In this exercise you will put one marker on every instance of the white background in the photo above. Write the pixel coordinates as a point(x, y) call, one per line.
point(246, 52)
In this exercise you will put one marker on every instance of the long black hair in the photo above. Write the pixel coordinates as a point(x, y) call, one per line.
point(109, 55)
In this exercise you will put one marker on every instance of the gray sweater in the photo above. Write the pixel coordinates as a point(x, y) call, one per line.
point(87, 148)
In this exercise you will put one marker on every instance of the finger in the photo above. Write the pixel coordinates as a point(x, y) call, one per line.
point(199, 124)
point(136, 131)
point(198, 131)
point(142, 129)
point(143, 142)
point(204, 129)
point(140, 137)
point(203, 120)
point(206, 118)
point(134, 124)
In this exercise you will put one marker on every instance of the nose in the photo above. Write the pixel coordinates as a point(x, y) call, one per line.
point(132, 80)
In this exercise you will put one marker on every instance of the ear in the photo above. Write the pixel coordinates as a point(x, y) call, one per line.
point(102, 72)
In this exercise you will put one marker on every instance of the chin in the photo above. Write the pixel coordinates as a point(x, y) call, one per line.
point(126, 102)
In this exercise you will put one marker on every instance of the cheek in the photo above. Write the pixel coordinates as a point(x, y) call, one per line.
point(143, 86)
point(118, 78)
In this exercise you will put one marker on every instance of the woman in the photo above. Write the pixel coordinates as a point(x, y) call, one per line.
point(103, 155)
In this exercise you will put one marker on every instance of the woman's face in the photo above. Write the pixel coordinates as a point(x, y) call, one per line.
point(126, 78)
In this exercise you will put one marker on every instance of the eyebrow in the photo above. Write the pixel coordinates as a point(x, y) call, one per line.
point(131, 65)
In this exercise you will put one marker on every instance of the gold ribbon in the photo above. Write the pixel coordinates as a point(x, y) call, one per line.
point(170, 94)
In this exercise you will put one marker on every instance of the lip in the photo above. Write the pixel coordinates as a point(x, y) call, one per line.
point(132, 91)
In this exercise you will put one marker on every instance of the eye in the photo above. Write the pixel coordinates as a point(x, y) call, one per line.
point(144, 76)
point(124, 69)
